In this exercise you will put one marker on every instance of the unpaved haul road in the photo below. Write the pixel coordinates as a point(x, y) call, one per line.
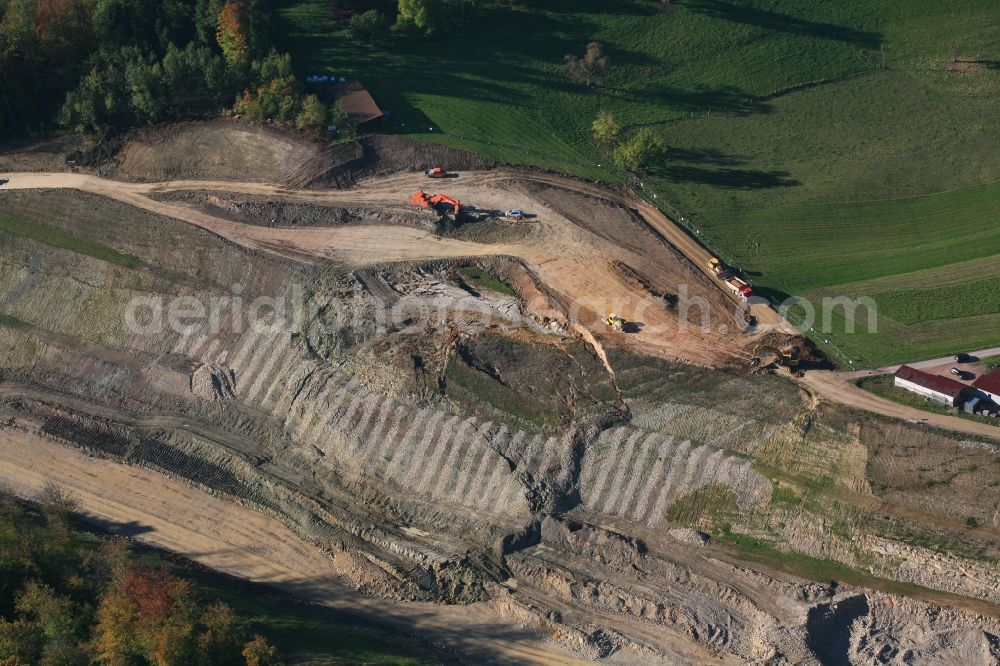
point(839, 387)
point(575, 264)
point(224, 536)
point(576, 267)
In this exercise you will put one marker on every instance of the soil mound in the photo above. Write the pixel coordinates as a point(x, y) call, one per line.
point(224, 150)
point(213, 382)
point(234, 150)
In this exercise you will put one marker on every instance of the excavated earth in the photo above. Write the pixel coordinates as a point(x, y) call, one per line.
point(443, 441)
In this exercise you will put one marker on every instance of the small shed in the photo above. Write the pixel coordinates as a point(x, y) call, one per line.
point(988, 385)
point(935, 387)
point(357, 102)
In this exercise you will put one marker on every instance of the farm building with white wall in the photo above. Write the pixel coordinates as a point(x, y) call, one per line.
point(989, 385)
point(935, 387)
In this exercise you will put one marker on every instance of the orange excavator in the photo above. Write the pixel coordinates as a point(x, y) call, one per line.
point(421, 198)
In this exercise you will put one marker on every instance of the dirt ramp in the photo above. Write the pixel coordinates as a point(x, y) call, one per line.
point(226, 150)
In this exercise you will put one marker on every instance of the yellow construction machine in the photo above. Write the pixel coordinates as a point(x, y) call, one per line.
point(614, 321)
point(764, 356)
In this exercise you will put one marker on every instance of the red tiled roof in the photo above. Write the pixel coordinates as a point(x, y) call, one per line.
point(936, 383)
point(989, 382)
point(357, 102)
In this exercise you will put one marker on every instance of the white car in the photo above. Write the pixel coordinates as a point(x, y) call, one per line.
point(515, 214)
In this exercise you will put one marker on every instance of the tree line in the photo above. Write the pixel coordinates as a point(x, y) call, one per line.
point(104, 65)
point(68, 600)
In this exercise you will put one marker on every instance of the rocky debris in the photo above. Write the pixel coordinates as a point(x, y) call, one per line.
point(688, 535)
point(928, 568)
point(214, 382)
point(489, 231)
point(601, 545)
point(682, 604)
point(898, 630)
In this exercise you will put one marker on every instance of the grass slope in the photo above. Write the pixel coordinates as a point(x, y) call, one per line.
point(816, 144)
point(481, 278)
point(55, 238)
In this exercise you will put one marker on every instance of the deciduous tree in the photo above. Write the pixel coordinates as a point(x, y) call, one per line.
point(368, 26)
point(640, 151)
point(606, 129)
point(590, 68)
point(418, 15)
point(231, 31)
point(258, 652)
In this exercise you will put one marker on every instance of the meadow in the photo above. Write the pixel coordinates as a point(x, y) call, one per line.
point(814, 145)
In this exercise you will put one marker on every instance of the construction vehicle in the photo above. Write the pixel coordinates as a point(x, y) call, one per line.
point(421, 198)
point(764, 356)
point(437, 172)
point(739, 287)
point(615, 322)
point(730, 277)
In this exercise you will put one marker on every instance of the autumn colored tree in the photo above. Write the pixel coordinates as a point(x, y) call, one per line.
point(146, 614)
point(258, 652)
point(231, 32)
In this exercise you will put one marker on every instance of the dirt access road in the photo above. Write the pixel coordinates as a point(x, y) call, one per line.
point(224, 536)
point(571, 261)
point(840, 387)
point(576, 264)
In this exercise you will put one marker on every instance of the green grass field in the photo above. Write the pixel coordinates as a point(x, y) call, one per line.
point(815, 145)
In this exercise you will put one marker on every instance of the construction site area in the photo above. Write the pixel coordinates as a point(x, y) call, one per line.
point(521, 416)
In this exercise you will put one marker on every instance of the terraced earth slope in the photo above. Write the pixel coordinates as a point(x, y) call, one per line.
point(490, 457)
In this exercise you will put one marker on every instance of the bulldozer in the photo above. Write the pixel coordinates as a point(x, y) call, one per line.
point(614, 321)
point(765, 356)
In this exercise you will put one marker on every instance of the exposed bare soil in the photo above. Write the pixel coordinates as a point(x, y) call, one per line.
point(512, 478)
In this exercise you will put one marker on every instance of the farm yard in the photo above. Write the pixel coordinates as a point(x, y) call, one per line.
point(821, 147)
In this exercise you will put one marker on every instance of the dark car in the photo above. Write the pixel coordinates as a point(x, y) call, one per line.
point(4, 181)
point(962, 358)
